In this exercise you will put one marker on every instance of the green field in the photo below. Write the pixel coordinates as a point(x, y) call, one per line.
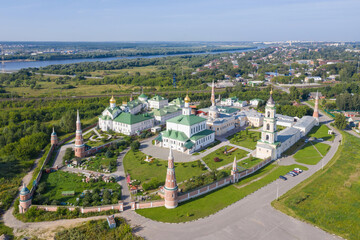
point(330, 198)
point(224, 158)
point(60, 181)
point(321, 132)
point(309, 155)
point(138, 169)
point(213, 202)
point(243, 140)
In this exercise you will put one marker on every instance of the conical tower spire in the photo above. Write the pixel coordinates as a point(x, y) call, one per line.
point(234, 166)
point(170, 188)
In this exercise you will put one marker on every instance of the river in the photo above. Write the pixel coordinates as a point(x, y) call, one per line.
point(15, 66)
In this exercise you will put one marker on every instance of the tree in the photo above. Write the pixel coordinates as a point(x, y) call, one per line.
point(294, 93)
point(135, 145)
point(67, 122)
point(340, 121)
point(109, 154)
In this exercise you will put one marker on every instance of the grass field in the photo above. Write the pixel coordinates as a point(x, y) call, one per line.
point(224, 158)
point(244, 140)
point(60, 181)
point(330, 198)
point(141, 70)
point(321, 132)
point(291, 150)
point(309, 155)
point(138, 169)
point(213, 202)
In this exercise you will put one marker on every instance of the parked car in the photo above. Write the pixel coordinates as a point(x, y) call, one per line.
point(306, 140)
point(320, 139)
point(298, 169)
point(282, 177)
point(295, 173)
point(291, 174)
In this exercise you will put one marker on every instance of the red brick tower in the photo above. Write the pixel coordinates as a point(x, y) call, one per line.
point(25, 199)
point(54, 139)
point(171, 187)
point(316, 109)
point(79, 141)
point(234, 171)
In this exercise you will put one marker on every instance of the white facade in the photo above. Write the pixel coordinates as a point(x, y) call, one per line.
point(254, 102)
point(157, 102)
point(132, 129)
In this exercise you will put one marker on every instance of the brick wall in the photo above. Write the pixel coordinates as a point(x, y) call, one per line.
point(119, 207)
point(136, 205)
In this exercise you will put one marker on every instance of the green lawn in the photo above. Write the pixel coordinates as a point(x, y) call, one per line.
point(330, 198)
point(307, 155)
point(249, 162)
point(291, 150)
point(244, 140)
point(60, 181)
point(213, 202)
point(224, 158)
point(323, 148)
point(321, 132)
point(138, 169)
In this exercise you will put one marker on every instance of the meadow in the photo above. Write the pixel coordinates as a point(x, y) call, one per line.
point(330, 198)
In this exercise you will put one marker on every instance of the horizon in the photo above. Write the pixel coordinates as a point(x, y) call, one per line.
point(186, 21)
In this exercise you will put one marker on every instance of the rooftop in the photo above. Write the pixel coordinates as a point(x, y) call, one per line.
point(128, 118)
point(187, 120)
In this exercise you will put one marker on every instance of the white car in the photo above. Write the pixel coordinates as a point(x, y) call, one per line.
point(320, 139)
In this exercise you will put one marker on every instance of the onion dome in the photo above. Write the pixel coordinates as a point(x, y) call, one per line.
point(24, 190)
point(271, 100)
point(187, 99)
point(112, 100)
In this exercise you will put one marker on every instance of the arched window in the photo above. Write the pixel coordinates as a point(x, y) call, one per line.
point(267, 137)
point(268, 114)
point(268, 127)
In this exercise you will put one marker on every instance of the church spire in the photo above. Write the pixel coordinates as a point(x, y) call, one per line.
point(79, 141)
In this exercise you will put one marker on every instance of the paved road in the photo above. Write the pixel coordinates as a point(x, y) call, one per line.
point(60, 154)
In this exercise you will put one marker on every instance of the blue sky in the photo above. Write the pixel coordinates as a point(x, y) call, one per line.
point(181, 20)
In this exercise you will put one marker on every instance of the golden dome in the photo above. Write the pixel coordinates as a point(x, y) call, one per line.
point(187, 99)
point(112, 100)
point(271, 91)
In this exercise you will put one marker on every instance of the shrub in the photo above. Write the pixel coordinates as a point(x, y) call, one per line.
point(135, 145)
point(109, 154)
point(216, 159)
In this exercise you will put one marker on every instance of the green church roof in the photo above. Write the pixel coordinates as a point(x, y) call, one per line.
point(142, 96)
point(176, 135)
point(128, 118)
point(187, 120)
point(166, 110)
point(157, 98)
point(201, 134)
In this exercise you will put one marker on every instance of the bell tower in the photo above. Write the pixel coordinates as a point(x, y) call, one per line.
point(186, 109)
point(269, 133)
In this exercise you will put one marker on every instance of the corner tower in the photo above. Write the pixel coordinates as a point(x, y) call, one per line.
point(25, 199)
point(316, 109)
point(269, 133)
point(171, 188)
point(79, 141)
point(54, 139)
